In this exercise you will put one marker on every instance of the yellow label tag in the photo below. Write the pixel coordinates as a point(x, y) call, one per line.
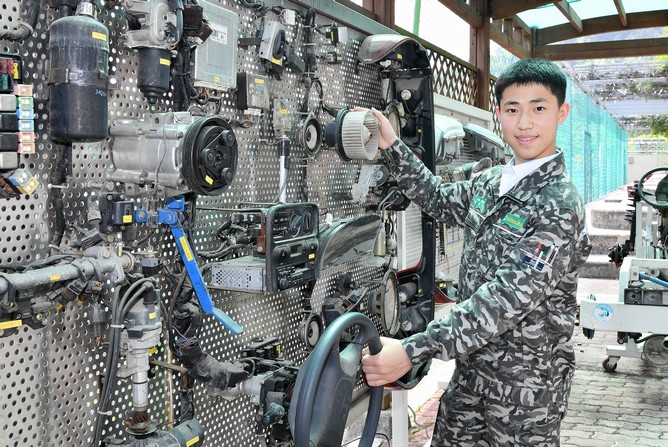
point(54, 277)
point(186, 248)
point(99, 36)
point(399, 56)
point(127, 218)
point(151, 315)
point(153, 350)
point(193, 441)
point(275, 61)
point(209, 180)
point(16, 70)
point(279, 349)
point(259, 81)
point(164, 61)
point(283, 111)
point(216, 78)
point(311, 256)
point(10, 324)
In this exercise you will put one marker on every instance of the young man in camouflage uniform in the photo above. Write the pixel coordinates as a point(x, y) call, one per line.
point(525, 242)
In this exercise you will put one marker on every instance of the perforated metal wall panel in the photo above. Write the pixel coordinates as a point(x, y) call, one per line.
point(50, 377)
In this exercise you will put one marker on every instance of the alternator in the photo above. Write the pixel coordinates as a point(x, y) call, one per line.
point(176, 152)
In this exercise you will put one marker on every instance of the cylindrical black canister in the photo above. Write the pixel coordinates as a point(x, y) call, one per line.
point(78, 79)
point(153, 76)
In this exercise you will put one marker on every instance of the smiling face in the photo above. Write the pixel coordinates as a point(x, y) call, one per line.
point(529, 115)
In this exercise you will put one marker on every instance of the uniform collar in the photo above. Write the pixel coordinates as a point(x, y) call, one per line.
point(512, 173)
point(538, 179)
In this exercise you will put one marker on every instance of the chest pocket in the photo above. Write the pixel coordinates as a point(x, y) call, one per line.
point(504, 234)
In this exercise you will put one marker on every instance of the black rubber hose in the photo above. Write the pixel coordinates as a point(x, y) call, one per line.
point(113, 352)
point(24, 28)
point(58, 175)
point(187, 321)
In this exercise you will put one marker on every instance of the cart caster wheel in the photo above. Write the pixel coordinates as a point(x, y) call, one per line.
point(608, 366)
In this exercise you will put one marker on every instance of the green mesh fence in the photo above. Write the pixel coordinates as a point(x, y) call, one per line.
point(594, 145)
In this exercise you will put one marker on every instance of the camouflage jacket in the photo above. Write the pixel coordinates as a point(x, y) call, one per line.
point(511, 328)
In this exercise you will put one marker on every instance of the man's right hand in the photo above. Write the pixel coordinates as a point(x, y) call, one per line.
point(389, 365)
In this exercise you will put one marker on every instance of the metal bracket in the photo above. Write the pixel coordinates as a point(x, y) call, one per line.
point(171, 216)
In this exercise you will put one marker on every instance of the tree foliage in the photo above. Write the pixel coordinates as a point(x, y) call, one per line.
point(658, 125)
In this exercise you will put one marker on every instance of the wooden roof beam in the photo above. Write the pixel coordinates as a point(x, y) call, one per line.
point(500, 9)
point(466, 12)
point(603, 50)
point(513, 36)
point(622, 12)
point(571, 15)
point(599, 25)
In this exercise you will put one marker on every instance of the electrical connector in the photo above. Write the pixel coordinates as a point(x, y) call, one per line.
point(23, 89)
point(24, 181)
point(71, 292)
point(97, 319)
point(7, 102)
point(91, 238)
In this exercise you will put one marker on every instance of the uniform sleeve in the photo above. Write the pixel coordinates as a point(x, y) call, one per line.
point(527, 277)
point(445, 202)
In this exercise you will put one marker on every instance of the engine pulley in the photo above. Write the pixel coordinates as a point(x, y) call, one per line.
point(209, 155)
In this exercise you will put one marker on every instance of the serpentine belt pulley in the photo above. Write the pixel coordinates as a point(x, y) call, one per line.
point(210, 154)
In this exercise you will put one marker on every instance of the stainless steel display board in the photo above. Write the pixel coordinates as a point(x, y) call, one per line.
point(50, 377)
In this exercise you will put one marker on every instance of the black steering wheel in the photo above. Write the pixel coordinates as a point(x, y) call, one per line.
point(661, 189)
point(323, 392)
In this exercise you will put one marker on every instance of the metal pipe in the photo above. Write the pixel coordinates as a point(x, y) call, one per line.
point(140, 390)
point(101, 258)
point(284, 168)
point(416, 17)
point(654, 280)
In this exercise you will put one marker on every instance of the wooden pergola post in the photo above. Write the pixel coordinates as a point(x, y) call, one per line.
point(480, 39)
point(383, 9)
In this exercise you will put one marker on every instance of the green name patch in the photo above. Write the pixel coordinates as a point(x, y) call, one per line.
point(514, 221)
point(479, 202)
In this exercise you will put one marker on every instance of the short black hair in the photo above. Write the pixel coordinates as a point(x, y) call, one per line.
point(533, 71)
